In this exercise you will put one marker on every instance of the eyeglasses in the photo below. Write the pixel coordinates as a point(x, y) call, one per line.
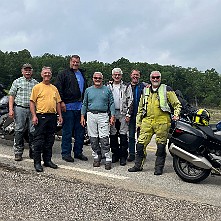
point(155, 77)
point(97, 78)
point(47, 73)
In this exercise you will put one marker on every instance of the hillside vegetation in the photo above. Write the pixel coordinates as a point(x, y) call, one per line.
point(199, 88)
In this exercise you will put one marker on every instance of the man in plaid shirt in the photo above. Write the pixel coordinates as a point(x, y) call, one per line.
point(19, 99)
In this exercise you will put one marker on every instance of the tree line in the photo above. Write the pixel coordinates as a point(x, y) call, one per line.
point(199, 88)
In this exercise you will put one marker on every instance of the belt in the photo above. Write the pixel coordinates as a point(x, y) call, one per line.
point(21, 106)
point(45, 114)
point(97, 112)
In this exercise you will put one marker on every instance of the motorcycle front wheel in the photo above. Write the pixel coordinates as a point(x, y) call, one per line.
point(188, 172)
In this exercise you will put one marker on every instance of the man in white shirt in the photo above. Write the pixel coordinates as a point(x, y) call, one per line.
point(122, 101)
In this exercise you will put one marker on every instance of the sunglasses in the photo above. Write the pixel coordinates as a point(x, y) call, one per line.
point(155, 77)
point(97, 78)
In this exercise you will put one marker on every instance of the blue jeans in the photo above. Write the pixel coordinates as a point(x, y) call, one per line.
point(71, 124)
point(132, 131)
point(23, 119)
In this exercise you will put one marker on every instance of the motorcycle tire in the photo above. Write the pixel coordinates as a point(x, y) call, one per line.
point(188, 172)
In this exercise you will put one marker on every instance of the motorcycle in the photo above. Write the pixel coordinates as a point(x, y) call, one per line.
point(6, 124)
point(196, 150)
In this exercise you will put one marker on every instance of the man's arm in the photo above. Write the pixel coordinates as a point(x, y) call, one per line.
point(11, 106)
point(129, 102)
point(58, 109)
point(59, 85)
point(140, 111)
point(12, 93)
point(175, 104)
point(33, 112)
point(112, 107)
point(85, 103)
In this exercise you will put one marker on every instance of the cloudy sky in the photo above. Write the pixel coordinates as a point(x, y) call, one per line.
point(183, 33)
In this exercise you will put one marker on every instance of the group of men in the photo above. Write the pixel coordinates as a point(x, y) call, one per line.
point(113, 113)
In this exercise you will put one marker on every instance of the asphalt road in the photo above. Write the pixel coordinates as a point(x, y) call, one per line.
point(77, 191)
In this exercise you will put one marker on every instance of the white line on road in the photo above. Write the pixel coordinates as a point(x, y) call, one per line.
point(6, 156)
point(77, 169)
point(94, 172)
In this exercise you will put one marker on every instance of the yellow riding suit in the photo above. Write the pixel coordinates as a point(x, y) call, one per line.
point(154, 117)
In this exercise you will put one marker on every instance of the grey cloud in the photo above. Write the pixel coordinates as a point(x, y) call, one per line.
point(182, 33)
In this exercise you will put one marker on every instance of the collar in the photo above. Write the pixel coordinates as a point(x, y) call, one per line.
point(27, 79)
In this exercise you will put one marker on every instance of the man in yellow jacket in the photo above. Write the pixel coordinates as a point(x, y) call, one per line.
point(154, 117)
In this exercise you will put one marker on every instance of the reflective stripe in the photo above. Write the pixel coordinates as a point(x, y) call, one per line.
point(162, 92)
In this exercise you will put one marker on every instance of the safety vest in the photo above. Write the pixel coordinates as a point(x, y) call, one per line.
point(162, 92)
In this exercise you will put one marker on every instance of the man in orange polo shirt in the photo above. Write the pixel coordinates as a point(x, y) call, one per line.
point(45, 105)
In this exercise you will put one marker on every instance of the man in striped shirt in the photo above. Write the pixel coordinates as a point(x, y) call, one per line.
point(19, 99)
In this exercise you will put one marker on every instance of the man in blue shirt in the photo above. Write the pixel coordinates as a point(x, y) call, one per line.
point(71, 84)
point(137, 88)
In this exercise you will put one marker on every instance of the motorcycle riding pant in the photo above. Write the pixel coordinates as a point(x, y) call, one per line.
point(119, 129)
point(44, 137)
point(98, 131)
point(148, 129)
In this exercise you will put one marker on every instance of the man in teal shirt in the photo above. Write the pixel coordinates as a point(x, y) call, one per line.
point(98, 102)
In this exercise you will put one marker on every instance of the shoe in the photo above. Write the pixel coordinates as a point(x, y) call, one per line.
point(158, 171)
point(122, 161)
point(18, 157)
point(134, 169)
point(68, 158)
point(108, 166)
point(131, 158)
point(38, 167)
point(81, 157)
point(51, 165)
point(96, 164)
point(115, 158)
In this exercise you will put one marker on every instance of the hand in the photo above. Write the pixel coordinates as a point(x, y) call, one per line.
point(112, 120)
point(127, 119)
point(83, 122)
point(34, 120)
point(60, 120)
point(11, 114)
point(63, 107)
point(175, 118)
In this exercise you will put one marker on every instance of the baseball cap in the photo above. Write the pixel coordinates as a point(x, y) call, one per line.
point(27, 65)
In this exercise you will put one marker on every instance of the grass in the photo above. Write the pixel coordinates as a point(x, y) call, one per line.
point(215, 115)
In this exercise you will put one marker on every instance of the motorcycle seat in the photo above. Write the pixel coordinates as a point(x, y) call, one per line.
point(209, 132)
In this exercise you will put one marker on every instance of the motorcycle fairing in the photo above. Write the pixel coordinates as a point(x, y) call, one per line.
point(187, 137)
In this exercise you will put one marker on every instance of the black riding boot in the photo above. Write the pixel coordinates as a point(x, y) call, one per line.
point(139, 159)
point(37, 161)
point(114, 145)
point(160, 160)
point(123, 149)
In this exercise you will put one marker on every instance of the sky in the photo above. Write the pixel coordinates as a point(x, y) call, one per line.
point(183, 33)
